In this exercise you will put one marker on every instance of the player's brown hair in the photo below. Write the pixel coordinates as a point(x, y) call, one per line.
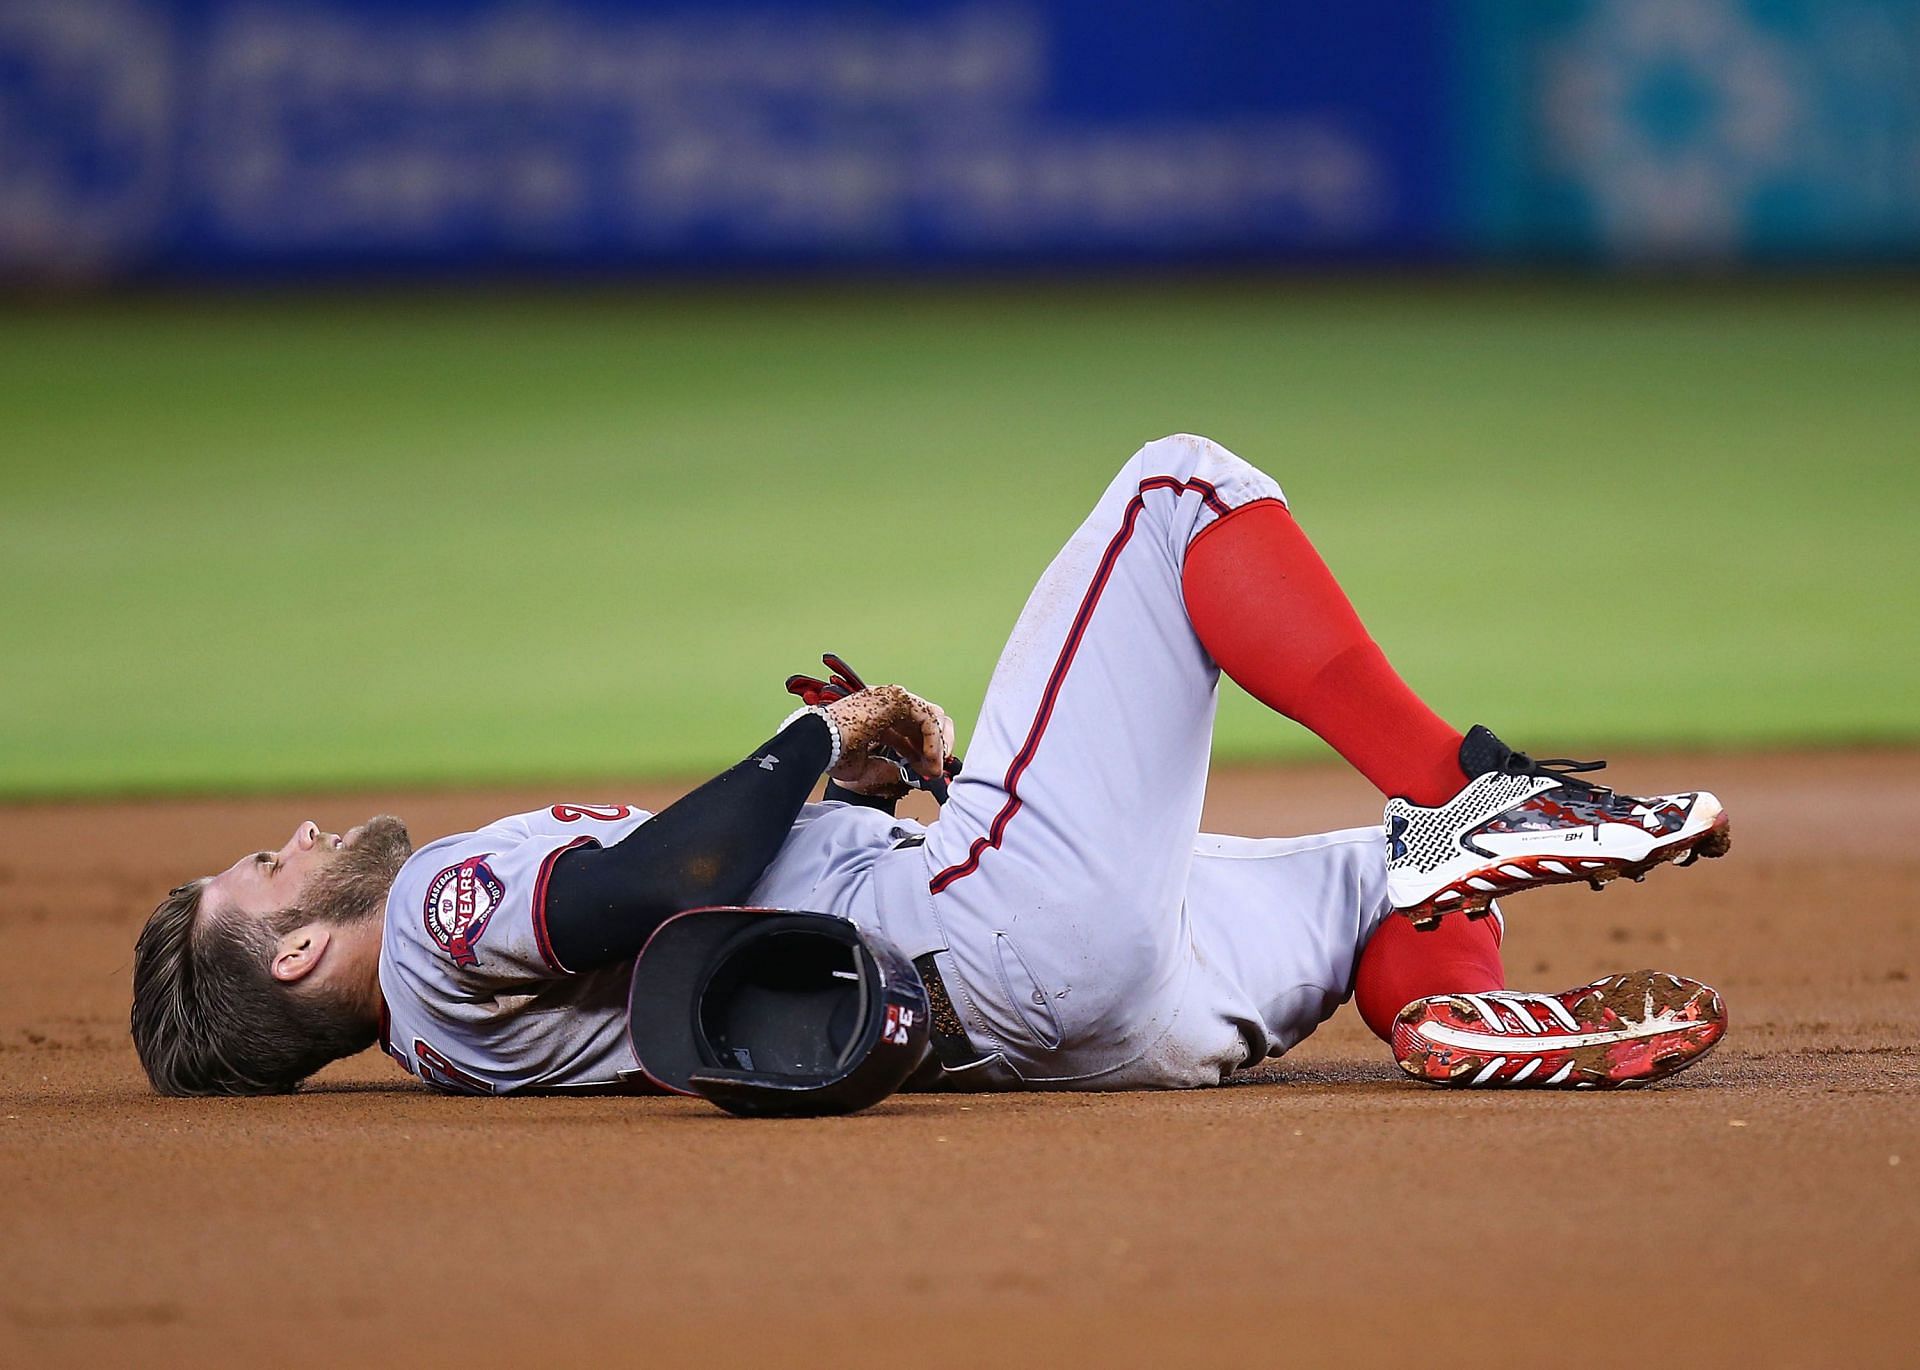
point(208, 1016)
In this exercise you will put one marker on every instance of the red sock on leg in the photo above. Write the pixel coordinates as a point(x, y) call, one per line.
point(1400, 964)
point(1272, 615)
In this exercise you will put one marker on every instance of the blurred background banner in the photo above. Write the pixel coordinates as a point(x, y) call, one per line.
point(204, 136)
point(1704, 130)
point(146, 138)
point(880, 295)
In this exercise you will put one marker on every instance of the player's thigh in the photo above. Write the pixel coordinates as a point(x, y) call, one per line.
point(1281, 923)
point(1092, 744)
point(1272, 931)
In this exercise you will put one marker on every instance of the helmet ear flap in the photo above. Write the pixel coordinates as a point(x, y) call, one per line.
point(768, 1012)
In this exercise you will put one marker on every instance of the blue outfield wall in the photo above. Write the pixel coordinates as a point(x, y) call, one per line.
point(140, 138)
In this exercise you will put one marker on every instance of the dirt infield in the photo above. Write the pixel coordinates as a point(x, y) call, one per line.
point(1763, 1209)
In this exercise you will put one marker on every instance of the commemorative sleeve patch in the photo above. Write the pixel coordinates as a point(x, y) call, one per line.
point(460, 900)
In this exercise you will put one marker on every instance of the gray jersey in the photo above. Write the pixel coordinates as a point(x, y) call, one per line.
point(476, 1000)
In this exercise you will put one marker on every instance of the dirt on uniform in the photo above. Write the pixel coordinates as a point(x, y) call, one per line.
point(1762, 1209)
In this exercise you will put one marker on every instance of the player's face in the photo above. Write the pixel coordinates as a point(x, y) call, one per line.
point(265, 882)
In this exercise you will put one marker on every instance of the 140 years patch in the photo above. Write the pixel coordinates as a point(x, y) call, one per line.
point(460, 900)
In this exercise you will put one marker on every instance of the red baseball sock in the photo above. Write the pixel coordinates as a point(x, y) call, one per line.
point(1400, 964)
point(1271, 614)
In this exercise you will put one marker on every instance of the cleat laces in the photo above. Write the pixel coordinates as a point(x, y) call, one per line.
point(1563, 769)
point(1482, 753)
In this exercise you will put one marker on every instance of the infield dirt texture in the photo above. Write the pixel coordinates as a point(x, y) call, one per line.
point(1761, 1210)
point(307, 548)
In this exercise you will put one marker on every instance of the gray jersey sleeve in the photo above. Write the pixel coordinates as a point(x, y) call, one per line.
point(479, 898)
point(475, 1000)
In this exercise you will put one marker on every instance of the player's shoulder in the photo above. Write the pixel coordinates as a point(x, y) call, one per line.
point(487, 884)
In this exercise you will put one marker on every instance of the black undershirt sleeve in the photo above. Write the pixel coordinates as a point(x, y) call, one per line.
point(709, 847)
point(865, 801)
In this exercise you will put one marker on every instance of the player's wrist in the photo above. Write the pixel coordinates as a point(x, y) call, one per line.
point(833, 729)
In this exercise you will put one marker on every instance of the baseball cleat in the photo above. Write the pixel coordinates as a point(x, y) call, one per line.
point(1619, 1031)
point(1521, 823)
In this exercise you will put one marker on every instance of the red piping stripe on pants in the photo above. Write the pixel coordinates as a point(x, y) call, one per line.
point(997, 830)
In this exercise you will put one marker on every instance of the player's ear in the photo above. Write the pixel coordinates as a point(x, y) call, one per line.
point(299, 952)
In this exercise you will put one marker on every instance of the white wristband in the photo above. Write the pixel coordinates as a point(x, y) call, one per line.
point(833, 728)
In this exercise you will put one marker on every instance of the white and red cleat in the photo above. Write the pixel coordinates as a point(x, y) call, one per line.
point(1521, 823)
point(1619, 1031)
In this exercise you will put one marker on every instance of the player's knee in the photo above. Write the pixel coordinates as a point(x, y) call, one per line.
point(1191, 457)
point(1184, 455)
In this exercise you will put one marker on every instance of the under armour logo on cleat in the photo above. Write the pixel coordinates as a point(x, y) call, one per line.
point(1396, 838)
point(769, 761)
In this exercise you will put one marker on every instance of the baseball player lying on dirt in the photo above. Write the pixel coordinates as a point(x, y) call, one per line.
point(1071, 925)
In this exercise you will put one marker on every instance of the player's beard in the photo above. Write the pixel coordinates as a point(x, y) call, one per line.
point(353, 887)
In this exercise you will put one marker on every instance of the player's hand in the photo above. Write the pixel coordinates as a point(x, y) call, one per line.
point(879, 776)
point(880, 772)
point(842, 680)
point(883, 720)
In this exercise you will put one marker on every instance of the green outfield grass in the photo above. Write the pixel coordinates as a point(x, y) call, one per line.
point(267, 543)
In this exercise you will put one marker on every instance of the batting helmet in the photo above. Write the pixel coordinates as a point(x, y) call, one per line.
point(771, 1012)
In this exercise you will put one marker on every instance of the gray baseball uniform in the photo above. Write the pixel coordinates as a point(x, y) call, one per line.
point(1090, 937)
point(476, 999)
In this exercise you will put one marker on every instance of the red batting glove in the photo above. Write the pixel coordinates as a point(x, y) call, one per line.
point(844, 682)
